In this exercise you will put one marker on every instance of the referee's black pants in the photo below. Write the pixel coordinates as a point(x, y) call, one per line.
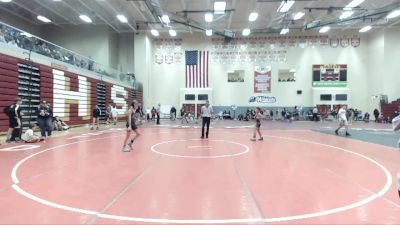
point(206, 121)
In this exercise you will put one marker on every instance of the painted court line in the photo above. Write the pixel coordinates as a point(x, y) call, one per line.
point(204, 147)
point(212, 221)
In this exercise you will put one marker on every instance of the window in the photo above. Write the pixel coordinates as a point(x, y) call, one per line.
point(326, 97)
point(341, 97)
point(190, 97)
point(202, 97)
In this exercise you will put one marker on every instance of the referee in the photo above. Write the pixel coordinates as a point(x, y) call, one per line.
point(206, 112)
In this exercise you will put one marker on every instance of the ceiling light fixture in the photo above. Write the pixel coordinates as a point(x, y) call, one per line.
point(122, 18)
point(208, 17)
point(26, 34)
point(393, 14)
point(253, 16)
point(85, 19)
point(246, 32)
point(298, 15)
point(5, 0)
point(165, 19)
point(209, 32)
point(324, 29)
point(284, 31)
point(365, 29)
point(155, 33)
point(172, 33)
point(354, 3)
point(219, 7)
point(43, 19)
point(346, 14)
point(285, 6)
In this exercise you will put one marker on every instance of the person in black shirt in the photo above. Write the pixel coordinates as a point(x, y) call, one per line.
point(45, 115)
point(14, 118)
point(131, 126)
point(376, 115)
point(96, 117)
point(173, 113)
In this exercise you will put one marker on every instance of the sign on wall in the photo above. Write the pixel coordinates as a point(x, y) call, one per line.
point(262, 99)
point(332, 75)
point(236, 76)
point(262, 79)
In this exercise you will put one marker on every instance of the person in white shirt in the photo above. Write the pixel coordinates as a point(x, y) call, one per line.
point(29, 136)
point(206, 112)
point(342, 115)
point(114, 114)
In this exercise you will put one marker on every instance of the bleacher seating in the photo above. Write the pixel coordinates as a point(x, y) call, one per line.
point(388, 110)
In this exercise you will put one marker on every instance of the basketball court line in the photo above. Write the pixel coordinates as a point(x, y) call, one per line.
point(201, 221)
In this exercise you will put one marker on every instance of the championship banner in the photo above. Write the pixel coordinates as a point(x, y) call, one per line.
point(262, 79)
point(333, 75)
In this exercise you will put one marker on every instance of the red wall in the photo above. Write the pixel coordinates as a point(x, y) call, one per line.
point(9, 90)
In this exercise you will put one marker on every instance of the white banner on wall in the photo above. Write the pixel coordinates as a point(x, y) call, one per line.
point(262, 99)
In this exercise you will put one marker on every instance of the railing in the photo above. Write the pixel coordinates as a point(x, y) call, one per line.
point(21, 39)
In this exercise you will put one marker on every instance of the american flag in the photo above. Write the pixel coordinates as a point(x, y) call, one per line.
point(196, 69)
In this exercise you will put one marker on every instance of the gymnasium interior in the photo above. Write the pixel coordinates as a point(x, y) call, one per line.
point(199, 112)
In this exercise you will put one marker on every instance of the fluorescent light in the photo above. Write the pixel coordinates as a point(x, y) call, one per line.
point(246, 32)
point(172, 33)
point(354, 3)
point(85, 18)
point(26, 34)
point(155, 33)
point(5, 0)
point(209, 32)
point(365, 29)
point(219, 7)
point(298, 15)
point(208, 17)
point(346, 14)
point(165, 19)
point(285, 6)
point(393, 14)
point(253, 16)
point(324, 29)
point(43, 19)
point(284, 31)
point(122, 18)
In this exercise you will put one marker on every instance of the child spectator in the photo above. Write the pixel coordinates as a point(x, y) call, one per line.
point(29, 136)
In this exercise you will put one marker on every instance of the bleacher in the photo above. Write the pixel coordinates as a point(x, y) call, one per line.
point(388, 110)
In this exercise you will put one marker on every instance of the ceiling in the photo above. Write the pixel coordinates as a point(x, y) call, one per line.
point(142, 14)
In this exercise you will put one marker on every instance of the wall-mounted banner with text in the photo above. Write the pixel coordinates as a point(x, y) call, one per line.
point(262, 79)
point(262, 99)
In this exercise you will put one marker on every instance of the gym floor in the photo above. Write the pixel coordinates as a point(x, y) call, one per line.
point(301, 173)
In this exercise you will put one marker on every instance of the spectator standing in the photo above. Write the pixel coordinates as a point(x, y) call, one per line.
point(315, 114)
point(14, 118)
point(45, 115)
point(114, 114)
point(158, 114)
point(173, 113)
point(153, 113)
point(96, 117)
